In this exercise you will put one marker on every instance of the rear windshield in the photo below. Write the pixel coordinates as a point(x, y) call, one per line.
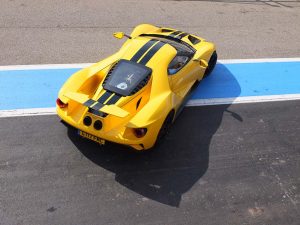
point(125, 77)
point(181, 47)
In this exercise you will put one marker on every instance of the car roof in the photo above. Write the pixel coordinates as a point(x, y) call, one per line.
point(145, 49)
point(180, 47)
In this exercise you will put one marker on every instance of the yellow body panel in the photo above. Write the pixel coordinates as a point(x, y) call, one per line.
point(148, 107)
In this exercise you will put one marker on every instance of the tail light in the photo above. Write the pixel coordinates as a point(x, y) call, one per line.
point(140, 132)
point(61, 104)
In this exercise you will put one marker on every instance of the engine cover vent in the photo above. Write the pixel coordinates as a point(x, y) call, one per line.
point(126, 78)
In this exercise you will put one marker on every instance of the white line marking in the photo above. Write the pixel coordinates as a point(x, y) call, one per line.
point(263, 60)
point(190, 103)
point(45, 66)
point(244, 99)
point(83, 65)
point(27, 112)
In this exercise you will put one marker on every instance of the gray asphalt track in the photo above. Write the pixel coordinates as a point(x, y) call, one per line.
point(230, 164)
point(69, 31)
point(225, 164)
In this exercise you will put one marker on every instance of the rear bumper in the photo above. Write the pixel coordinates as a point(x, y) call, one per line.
point(75, 131)
point(114, 135)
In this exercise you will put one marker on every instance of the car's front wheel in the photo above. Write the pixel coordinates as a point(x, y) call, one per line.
point(211, 64)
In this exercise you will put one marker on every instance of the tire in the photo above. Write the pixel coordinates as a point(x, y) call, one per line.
point(211, 64)
point(165, 127)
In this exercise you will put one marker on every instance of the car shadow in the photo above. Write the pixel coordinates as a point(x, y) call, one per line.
point(168, 171)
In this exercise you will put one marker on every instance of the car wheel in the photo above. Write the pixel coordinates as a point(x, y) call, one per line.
point(165, 127)
point(211, 64)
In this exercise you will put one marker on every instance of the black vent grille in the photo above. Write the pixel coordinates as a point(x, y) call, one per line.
point(109, 73)
point(166, 30)
point(142, 84)
point(193, 40)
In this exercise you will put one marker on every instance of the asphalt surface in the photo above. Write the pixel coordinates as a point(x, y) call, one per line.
point(235, 164)
point(74, 31)
point(230, 164)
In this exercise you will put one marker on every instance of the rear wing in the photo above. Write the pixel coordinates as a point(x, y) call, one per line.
point(86, 101)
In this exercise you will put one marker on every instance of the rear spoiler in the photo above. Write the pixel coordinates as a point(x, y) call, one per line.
point(85, 100)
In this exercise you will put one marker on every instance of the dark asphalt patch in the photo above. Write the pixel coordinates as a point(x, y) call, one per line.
point(235, 164)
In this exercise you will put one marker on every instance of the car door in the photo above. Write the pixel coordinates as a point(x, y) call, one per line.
point(184, 77)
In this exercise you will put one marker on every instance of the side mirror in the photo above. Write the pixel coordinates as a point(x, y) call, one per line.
point(120, 35)
point(203, 63)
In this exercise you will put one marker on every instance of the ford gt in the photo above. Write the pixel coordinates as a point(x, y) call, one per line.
point(133, 96)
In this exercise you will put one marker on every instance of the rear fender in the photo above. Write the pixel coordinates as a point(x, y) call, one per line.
point(155, 110)
point(206, 49)
point(89, 78)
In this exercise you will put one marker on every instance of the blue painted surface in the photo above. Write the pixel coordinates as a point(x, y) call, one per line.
point(21, 89)
point(39, 88)
point(251, 79)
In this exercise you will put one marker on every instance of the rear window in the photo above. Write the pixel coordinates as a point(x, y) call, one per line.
point(127, 77)
point(180, 48)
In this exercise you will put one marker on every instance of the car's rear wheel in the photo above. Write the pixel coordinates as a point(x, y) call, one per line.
point(211, 64)
point(165, 127)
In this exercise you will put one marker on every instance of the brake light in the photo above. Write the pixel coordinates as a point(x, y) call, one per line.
point(140, 132)
point(61, 104)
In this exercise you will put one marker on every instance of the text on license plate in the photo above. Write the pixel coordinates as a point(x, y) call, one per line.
point(91, 137)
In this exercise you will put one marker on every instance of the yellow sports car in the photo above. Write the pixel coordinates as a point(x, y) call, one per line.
point(133, 96)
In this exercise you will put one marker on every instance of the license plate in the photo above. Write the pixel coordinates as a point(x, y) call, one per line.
point(91, 137)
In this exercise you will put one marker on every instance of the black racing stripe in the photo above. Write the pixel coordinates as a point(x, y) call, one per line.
point(104, 97)
point(142, 50)
point(173, 34)
point(89, 103)
point(98, 106)
point(151, 53)
point(114, 99)
point(180, 36)
point(97, 113)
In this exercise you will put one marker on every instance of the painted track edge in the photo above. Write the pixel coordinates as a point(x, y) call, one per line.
point(83, 65)
point(190, 103)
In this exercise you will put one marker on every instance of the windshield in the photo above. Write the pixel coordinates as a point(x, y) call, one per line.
point(126, 77)
point(181, 47)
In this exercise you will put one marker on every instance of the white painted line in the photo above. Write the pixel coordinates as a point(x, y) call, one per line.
point(263, 60)
point(190, 103)
point(45, 66)
point(83, 65)
point(246, 99)
point(27, 112)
